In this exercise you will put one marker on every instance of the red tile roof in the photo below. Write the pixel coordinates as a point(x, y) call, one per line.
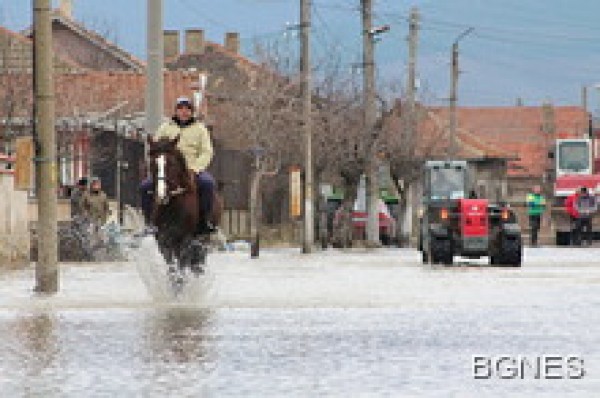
point(80, 94)
point(433, 139)
point(529, 132)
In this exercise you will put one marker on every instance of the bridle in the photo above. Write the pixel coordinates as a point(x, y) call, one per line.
point(162, 193)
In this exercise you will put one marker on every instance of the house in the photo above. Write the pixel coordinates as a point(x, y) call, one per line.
point(85, 48)
point(489, 162)
point(527, 131)
point(99, 94)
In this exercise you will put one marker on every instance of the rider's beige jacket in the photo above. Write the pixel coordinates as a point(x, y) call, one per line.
point(194, 143)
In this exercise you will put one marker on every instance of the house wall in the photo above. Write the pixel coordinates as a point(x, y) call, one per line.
point(16, 54)
point(490, 180)
point(72, 46)
point(14, 232)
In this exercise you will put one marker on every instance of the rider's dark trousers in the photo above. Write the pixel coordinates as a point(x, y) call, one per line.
point(206, 190)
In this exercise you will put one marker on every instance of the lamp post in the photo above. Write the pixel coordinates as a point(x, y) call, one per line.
point(453, 92)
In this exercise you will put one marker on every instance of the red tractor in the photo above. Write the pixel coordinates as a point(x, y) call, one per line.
point(454, 225)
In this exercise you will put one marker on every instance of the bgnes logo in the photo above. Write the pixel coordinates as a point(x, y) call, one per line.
point(510, 367)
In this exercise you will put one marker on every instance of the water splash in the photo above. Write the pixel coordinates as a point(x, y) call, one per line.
point(195, 291)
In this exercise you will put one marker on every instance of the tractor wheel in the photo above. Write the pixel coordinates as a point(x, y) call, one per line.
point(511, 252)
point(441, 251)
point(424, 257)
point(563, 238)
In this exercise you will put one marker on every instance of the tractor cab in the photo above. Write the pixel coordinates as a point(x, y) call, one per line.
point(445, 180)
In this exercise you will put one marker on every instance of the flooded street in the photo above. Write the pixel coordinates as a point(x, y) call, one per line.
point(331, 324)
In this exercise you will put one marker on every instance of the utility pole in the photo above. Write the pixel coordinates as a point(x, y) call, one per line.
point(409, 129)
point(154, 71)
point(413, 40)
point(46, 269)
point(372, 183)
point(306, 79)
point(453, 99)
point(452, 152)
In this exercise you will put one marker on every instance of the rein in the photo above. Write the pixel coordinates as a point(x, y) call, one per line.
point(165, 196)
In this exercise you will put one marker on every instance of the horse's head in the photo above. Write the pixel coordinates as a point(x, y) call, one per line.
point(168, 167)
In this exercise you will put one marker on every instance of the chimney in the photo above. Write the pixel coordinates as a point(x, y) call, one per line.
point(171, 38)
point(232, 42)
point(194, 41)
point(65, 7)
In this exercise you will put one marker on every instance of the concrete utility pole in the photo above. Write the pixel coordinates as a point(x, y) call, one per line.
point(370, 114)
point(409, 132)
point(306, 78)
point(46, 269)
point(154, 71)
point(413, 41)
point(452, 152)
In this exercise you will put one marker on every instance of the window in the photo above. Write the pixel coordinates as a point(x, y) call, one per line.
point(447, 183)
point(574, 156)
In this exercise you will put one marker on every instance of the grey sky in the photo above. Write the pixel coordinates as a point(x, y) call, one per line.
point(534, 49)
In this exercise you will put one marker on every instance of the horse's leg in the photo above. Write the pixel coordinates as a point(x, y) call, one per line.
point(198, 256)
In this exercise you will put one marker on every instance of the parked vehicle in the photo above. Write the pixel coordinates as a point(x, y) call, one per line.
point(574, 169)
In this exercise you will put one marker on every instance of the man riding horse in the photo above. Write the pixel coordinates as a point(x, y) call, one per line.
point(195, 144)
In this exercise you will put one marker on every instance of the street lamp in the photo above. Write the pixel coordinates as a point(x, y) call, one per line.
point(453, 91)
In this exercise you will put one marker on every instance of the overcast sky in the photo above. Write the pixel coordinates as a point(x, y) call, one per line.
point(534, 49)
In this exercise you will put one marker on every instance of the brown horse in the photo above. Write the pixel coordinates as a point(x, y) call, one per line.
point(176, 208)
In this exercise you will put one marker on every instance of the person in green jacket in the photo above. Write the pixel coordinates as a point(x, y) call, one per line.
point(536, 205)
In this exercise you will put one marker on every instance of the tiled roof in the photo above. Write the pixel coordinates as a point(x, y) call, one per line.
point(433, 139)
point(210, 49)
point(98, 40)
point(86, 93)
point(469, 145)
point(530, 132)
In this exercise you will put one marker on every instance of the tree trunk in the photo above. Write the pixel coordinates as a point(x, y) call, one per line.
point(372, 203)
point(254, 212)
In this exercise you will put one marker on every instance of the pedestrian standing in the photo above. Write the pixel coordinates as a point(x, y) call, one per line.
point(95, 203)
point(77, 210)
point(536, 204)
point(586, 205)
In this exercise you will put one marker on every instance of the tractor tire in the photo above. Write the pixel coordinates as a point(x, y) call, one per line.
point(511, 253)
point(424, 257)
point(563, 238)
point(441, 251)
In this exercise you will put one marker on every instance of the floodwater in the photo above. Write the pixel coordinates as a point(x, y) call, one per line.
point(332, 324)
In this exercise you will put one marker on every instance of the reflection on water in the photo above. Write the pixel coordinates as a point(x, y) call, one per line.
point(38, 341)
point(287, 352)
point(34, 342)
point(180, 335)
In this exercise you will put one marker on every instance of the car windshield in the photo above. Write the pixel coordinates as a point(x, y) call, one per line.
point(574, 156)
point(447, 183)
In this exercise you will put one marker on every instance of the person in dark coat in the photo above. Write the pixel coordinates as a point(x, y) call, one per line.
point(586, 206)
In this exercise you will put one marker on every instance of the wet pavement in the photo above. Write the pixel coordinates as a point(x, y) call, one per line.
point(330, 324)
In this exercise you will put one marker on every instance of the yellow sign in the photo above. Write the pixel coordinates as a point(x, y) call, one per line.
point(295, 192)
point(24, 163)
